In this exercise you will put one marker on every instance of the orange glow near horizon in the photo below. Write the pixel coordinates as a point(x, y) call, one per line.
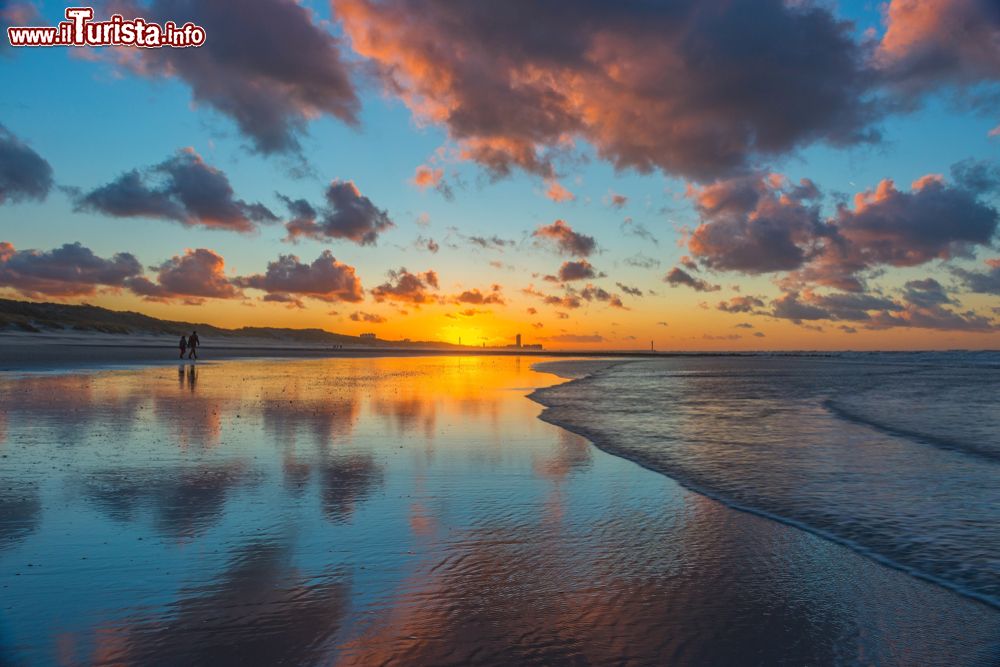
point(689, 327)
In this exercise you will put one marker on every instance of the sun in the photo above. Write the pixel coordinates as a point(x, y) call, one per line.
point(462, 333)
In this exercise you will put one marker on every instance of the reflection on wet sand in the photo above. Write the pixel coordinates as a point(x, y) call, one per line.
point(20, 512)
point(184, 502)
point(261, 610)
point(409, 510)
point(345, 482)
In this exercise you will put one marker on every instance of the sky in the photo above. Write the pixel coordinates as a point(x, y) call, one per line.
point(691, 175)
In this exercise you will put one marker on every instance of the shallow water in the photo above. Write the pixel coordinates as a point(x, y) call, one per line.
point(404, 510)
point(896, 455)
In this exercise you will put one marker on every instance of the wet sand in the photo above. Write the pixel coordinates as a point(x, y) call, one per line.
point(67, 351)
point(405, 510)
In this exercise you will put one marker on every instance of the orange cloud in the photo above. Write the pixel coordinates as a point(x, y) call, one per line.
point(557, 193)
point(195, 275)
point(427, 177)
point(625, 81)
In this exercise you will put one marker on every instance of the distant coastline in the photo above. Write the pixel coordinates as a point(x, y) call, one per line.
point(52, 336)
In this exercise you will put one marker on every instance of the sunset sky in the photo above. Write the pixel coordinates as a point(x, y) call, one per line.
point(706, 175)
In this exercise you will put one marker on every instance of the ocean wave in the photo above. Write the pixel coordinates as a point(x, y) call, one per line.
point(970, 448)
point(769, 441)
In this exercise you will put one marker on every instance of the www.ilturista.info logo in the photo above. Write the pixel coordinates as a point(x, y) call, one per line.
point(80, 30)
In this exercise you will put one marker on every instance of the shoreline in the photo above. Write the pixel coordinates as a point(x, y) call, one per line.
point(609, 448)
point(47, 352)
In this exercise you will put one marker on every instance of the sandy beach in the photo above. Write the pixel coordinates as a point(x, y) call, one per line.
point(62, 351)
point(403, 510)
point(65, 351)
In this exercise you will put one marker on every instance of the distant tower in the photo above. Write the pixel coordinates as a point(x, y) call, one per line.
point(517, 341)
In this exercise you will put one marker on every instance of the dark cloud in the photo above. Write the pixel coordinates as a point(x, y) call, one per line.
point(184, 189)
point(923, 305)
point(618, 201)
point(427, 244)
point(631, 291)
point(490, 242)
point(407, 287)
point(569, 301)
point(593, 293)
point(741, 304)
point(642, 262)
point(692, 88)
point(934, 317)
point(789, 307)
point(70, 270)
point(347, 215)
point(24, 174)
point(985, 282)
point(472, 312)
point(477, 297)
point(630, 227)
point(267, 65)
point(565, 240)
point(762, 223)
point(279, 297)
point(835, 306)
point(325, 279)
point(723, 337)
point(932, 221)
point(576, 270)
point(853, 306)
point(926, 293)
point(677, 277)
point(196, 274)
point(754, 224)
point(372, 318)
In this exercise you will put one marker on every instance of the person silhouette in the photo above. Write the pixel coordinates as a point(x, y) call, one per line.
point(183, 345)
point(193, 344)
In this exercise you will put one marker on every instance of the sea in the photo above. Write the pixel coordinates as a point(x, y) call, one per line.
point(894, 455)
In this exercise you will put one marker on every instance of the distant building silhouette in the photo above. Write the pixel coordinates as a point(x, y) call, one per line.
point(518, 345)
